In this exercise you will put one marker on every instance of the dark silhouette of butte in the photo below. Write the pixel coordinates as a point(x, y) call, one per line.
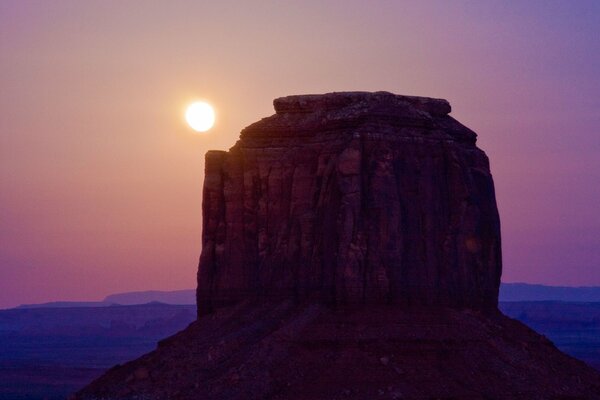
point(351, 250)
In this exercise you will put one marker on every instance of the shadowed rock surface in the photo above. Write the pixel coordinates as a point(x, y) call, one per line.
point(351, 198)
point(351, 250)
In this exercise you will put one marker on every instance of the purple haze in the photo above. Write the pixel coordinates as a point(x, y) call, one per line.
point(101, 180)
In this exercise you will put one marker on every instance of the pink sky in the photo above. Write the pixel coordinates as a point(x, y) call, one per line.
point(101, 180)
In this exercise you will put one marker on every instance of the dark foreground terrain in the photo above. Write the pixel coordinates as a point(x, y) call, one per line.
point(52, 352)
point(297, 352)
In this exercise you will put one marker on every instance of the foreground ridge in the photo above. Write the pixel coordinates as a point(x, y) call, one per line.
point(298, 352)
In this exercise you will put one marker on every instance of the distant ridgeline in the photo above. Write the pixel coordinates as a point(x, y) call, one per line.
point(508, 292)
point(530, 292)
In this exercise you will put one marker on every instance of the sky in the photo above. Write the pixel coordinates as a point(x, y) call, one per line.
point(101, 179)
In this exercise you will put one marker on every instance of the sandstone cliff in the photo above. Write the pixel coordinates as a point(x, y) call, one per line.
point(351, 198)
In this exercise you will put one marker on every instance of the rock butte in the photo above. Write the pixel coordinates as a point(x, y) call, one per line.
point(351, 250)
point(351, 198)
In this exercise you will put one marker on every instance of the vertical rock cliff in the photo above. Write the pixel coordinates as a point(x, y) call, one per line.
point(349, 198)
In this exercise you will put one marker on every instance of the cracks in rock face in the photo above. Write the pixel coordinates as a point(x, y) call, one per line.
point(373, 209)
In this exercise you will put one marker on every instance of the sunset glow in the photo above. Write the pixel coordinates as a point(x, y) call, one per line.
point(101, 173)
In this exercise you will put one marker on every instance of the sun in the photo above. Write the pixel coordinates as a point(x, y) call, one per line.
point(200, 116)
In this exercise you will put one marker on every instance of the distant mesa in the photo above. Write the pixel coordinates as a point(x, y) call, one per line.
point(351, 250)
point(509, 292)
point(531, 292)
point(65, 304)
point(186, 296)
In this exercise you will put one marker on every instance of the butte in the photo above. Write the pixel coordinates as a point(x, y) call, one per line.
point(351, 250)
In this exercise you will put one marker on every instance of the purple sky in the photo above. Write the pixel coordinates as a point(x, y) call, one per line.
point(100, 179)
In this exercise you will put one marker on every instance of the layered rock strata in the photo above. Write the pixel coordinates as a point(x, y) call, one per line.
point(351, 198)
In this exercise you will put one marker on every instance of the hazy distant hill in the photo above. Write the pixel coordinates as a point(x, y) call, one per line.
point(530, 292)
point(187, 296)
point(175, 297)
point(508, 292)
point(66, 304)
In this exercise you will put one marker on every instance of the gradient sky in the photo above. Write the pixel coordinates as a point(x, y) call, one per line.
point(101, 180)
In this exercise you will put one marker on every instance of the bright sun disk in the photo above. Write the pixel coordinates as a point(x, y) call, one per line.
point(200, 116)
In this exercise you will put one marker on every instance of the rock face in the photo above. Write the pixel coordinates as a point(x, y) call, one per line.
point(351, 198)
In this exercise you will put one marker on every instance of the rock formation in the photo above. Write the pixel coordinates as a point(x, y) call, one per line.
point(351, 250)
point(351, 198)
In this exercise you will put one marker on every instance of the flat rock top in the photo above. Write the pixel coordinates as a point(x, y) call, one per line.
point(339, 100)
point(383, 113)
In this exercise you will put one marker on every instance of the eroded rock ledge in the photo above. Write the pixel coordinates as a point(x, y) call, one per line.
point(351, 198)
point(359, 100)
